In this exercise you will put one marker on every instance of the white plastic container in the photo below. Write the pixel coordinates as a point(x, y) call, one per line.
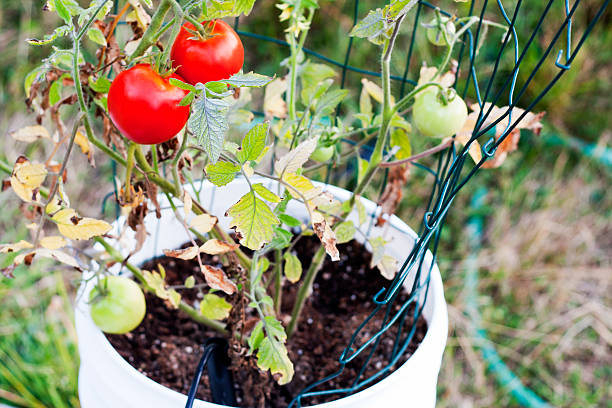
point(106, 380)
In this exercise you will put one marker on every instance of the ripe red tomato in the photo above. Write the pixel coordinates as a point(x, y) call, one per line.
point(144, 105)
point(212, 59)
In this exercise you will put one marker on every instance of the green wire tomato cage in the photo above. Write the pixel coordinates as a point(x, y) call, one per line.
point(491, 79)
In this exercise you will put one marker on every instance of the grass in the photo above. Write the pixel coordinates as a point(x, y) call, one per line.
point(545, 288)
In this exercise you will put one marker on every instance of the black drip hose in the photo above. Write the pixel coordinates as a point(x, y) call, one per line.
point(215, 359)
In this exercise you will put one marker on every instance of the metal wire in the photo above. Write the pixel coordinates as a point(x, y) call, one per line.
point(452, 169)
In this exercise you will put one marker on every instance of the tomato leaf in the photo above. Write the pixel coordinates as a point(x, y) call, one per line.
point(217, 279)
point(215, 307)
point(208, 122)
point(293, 267)
point(345, 231)
point(203, 223)
point(249, 80)
point(272, 355)
point(265, 193)
point(253, 221)
point(221, 173)
point(295, 159)
point(216, 247)
point(30, 134)
point(253, 143)
point(256, 337)
point(399, 138)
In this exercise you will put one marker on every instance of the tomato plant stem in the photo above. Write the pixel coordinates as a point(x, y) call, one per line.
point(189, 310)
point(150, 34)
point(278, 280)
point(305, 289)
point(128, 171)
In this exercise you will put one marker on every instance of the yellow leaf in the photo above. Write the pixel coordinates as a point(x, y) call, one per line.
point(216, 247)
point(203, 223)
point(375, 91)
point(26, 178)
point(6, 248)
point(72, 226)
point(186, 254)
point(274, 104)
point(30, 134)
point(81, 140)
point(53, 242)
point(187, 203)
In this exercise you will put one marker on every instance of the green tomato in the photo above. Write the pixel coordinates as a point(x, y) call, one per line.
point(121, 308)
point(322, 154)
point(435, 34)
point(434, 119)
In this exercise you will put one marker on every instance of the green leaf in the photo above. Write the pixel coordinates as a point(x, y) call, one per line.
point(374, 27)
point(256, 337)
point(399, 138)
point(289, 220)
point(312, 76)
point(328, 102)
point(215, 307)
point(49, 38)
point(190, 282)
point(99, 85)
point(231, 147)
point(282, 238)
point(273, 356)
point(183, 85)
point(263, 264)
point(95, 35)
point(365, 103)
point(250, 80)
point(274, 328)
point(221, 173)
point(187, 99)
point(208, 122)
point(253, 221)
point(345, 231)
point(398, 8)
point(293, 267)
point(361, 211)
point(62, 11)
point(55, 92)
point(265, 193)
point(253, 143)
point(216, 87)
point(213, 9)
point(362, 167)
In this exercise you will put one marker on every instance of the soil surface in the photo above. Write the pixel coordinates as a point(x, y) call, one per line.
point(167, 345)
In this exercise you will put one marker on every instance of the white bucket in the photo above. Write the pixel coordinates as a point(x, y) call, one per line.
point(106, 380)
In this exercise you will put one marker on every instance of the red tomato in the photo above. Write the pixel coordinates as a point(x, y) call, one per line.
point(213, 59)
point(144, 105)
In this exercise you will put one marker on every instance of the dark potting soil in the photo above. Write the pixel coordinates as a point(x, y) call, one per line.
point(167, 345)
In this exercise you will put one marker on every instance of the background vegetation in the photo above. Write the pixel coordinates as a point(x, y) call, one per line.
point(545, 289)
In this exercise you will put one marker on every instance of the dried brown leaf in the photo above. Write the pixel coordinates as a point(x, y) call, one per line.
point(186, 254)
point(217, 279)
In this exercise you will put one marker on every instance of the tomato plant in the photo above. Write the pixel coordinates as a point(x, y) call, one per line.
point(119, 307)
point(435, 118)
point(145, 106)
point(199, 59)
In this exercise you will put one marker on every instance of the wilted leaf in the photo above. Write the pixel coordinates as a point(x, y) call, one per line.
point(392, 195)
point(185, 254)
point(325, 234)
point(72, 226)
point(187, 202)
point(53, 242)
point(81, 140)
point(203, 223)
point(387, 266)
point(216, 247)
point(27, 178)
point(274, 105)
point(141, 16)
point(293, 267)
point(216, 279)
point(7, 248)
point(30, 134)
point(253, 221)
point(293, 160)
point(215, 307)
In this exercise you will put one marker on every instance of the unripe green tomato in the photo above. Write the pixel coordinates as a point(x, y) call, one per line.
point(322, 154)
point(121, 308)
point(435, 34)
point(434, 119)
